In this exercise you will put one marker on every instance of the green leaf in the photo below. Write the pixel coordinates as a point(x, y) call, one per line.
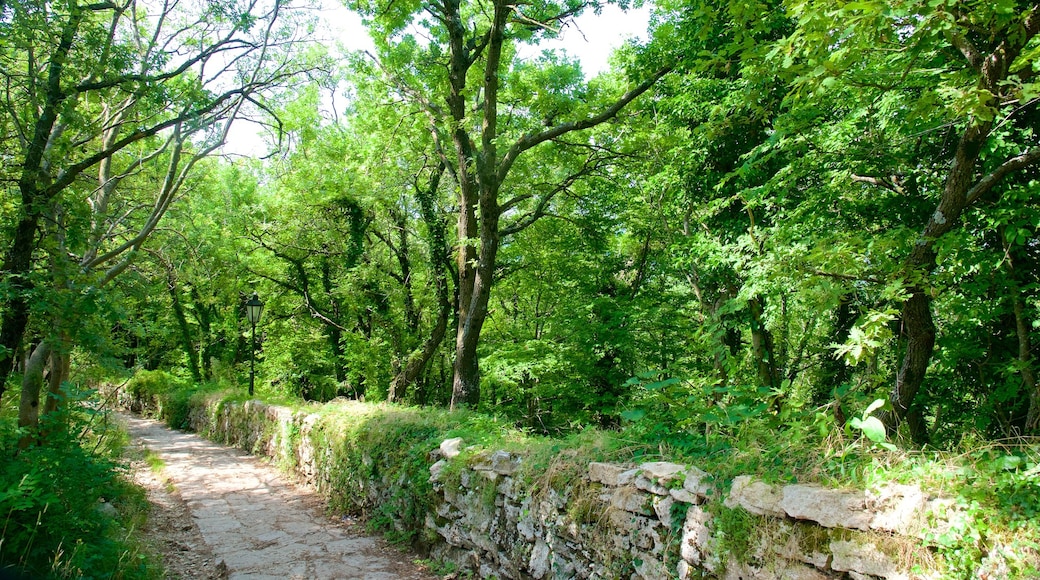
point(633, 414)
point(662, 384)
point(874, 429)
point(877, 404)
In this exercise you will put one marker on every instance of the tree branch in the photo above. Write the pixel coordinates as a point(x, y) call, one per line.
point(532, 139)
point(1011, 165)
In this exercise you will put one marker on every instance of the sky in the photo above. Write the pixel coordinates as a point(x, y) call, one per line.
point(591, 38)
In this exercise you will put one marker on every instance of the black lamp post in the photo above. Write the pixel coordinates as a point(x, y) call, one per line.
point(253, 309)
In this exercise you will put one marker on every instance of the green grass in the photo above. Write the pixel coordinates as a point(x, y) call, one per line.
point(155, 463)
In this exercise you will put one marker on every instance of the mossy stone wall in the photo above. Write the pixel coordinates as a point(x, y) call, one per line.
point(480, 510)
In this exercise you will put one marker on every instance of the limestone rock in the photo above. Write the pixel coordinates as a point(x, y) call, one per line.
point(500, 462)
point(648, 539)
point(663, 509)
point(648, 567)
point(662, 471)
point(605, 473)
point(864, 558)
point(756, 497)
point(539, 562)
point(696, 482)
point(450, 448)
point(793, 549)
point(436, 469)
point(631, 500)
point(830, 508)
point(684, 496)
point(696, 535)
point(685, 571)
point(646, 484)
point(900, 509)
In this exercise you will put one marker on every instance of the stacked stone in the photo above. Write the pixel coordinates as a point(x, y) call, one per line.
point(813, 533)
point(648, 521)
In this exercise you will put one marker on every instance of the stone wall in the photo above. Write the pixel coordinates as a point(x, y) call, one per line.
point(653, 520)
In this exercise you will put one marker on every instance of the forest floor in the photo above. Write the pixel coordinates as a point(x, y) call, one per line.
point(220, 513)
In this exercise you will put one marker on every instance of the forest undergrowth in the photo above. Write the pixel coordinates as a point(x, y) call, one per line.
point(68, 508)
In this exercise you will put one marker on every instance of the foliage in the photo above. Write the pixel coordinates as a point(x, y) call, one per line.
point(166, 395)
point(374, 460)
point(51, 499)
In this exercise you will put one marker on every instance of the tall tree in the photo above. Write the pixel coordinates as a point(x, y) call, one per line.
point(120, 88)
point(467, 65)
point(929, 104)
point(991, 85)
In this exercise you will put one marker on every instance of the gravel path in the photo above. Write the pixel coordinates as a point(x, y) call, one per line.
point(259, 525)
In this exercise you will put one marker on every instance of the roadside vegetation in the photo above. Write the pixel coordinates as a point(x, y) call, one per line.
point(67, 506)
point(992, 487)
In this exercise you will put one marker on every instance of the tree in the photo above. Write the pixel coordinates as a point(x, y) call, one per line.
point(479, 136)
point(991, 86)
point(893, 121)
point(140, 93)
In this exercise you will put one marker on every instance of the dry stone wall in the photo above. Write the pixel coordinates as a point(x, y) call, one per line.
point(654, 520)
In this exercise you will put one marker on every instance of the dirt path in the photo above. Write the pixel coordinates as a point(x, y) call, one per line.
point(253, 523)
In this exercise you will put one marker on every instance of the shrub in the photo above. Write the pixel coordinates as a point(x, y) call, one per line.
point(53, 519)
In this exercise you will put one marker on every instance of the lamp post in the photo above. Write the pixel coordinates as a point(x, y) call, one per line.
point(253, 309)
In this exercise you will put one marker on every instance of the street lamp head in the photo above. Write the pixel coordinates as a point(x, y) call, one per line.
point(253, 309)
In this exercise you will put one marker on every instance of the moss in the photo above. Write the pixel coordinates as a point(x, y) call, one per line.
point(734, 531)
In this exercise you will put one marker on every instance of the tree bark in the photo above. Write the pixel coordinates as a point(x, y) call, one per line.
point(417, 362)
point(960, 190)
point(60, 365)
point(480, 171)
point(833, 370)
point(1025, 361)
point(187, 343)
point(32, 384)
point(35, 197)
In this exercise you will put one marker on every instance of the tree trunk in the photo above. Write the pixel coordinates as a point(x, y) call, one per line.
point(465, 387)
point(960, 190)
point(416, 364)
point(762, 346)
point(15, 316)
point(480, 170)
point(1022, 325)
point(61, 363)
point(333, 333)
point(833, 370)
point(918, 325)
point(1025, 361)
point(35, 196)
point(440, 256)
point(185, 331)
point(32, 384)
point(207, 344)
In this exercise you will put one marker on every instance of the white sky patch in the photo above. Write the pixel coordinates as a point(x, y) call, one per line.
point(593, 37)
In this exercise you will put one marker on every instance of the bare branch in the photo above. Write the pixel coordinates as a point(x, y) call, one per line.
point(891, 183)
